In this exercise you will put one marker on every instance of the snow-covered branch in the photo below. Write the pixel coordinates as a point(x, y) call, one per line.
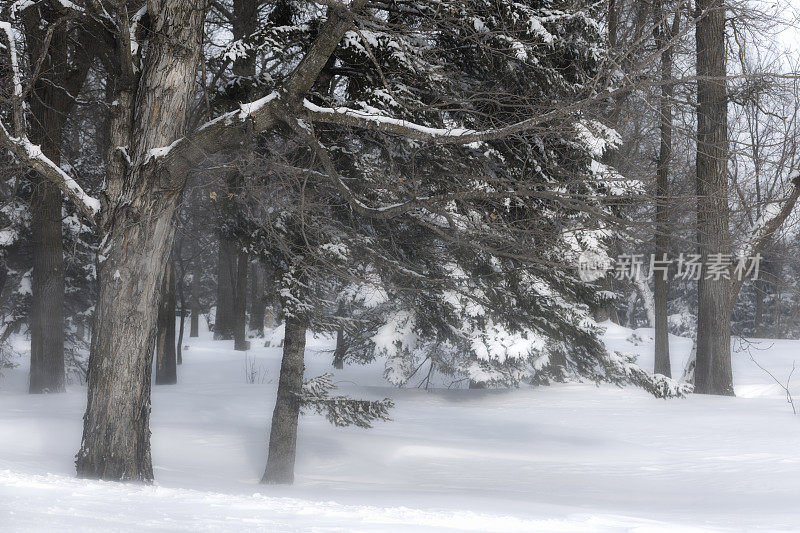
point(30, 154)
point(18, 111)
point(371, 121)
point(767, 225)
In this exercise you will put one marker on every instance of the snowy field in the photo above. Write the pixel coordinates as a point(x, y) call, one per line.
point(559, 458)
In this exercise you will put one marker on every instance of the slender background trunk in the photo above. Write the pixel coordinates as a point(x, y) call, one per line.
point(194, 327)
point(257, 301)
point(166, 370)
point(664, 34)
point(341, 347)
point(283, 433)
point(47, 302)
point(48, 109)
point(240, 304)
point(182, 302)
point(226, 276)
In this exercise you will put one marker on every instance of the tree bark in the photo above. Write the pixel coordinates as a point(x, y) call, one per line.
point(47, 302)
point(713, 373)
point(49, 109)
point(139, 206)
point(181, 330)
point(181, 295)
point(240, 342)
point(226, 276)
point(194, 327)
point(283, 433)
point(341, 349)
point(166, 369)
point(245, 22)
point(257, 301)
point(664, 34)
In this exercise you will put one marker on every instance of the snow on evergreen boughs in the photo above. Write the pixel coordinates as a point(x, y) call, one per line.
point(341, 410)
point(622, 368)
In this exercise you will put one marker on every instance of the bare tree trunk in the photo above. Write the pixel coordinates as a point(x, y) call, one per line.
point(663, 34)
point(47, 303)
point(48, 113)
point(612, 16)
point(179, 285)
point(713, 371)
point(226, 276)
point(233, 321)
point(179, 347)
point(166, 371)
point(116, 434)
point(138, 212)
point(631, 308)
point(283, 433)
point(194, 327)
point(340, 351)
point(240, 342)
point(760, 289)
point(341, 347)
point(257, 301)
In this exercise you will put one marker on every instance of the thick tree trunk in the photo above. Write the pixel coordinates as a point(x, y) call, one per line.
point(226, 276)
point(240, 342)
point(713, 371)
point(283, 433)
point(194, 327)
point(257, 301)
point(140, 205)
point(116, 433)
point(166, 369)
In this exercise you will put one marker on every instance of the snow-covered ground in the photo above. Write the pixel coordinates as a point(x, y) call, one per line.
point(559, 458)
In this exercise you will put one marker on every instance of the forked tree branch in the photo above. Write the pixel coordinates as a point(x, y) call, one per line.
point(30, 154)
point(230, 130)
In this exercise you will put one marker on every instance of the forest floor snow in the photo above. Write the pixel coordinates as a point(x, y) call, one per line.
point(561, 458)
